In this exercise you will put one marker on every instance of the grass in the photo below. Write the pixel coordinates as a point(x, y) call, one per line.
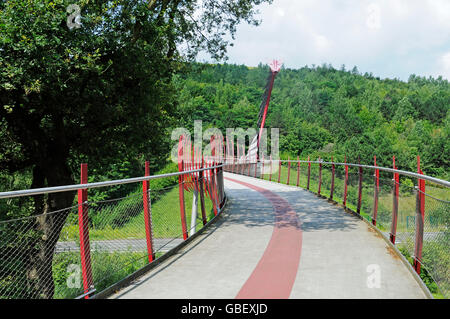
point(166, 219)
point(110, 267)
point(107, 269)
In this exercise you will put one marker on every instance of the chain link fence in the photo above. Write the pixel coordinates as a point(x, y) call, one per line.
point(42, 256)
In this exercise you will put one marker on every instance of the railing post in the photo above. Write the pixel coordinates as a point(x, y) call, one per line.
point(256, 166)
point(243, 164)
point(263, 164)
point(213, 189)
point(279, 170)
point(147, 214)
point(309, 174)
point(221, 187)
point(376, 187)
point(320, 176)
point(289, 170)
point(345, 182)
point(202, 195)
point(83, 224)
point(420, 218)
point(270, 175)
point(395, 204)
point(360, 173)
point(181, 198)
point(332, 178)
point(248, 167)
point(298, 171)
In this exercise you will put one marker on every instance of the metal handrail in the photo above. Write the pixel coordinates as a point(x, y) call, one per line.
point(386, 169)
point(67, 188)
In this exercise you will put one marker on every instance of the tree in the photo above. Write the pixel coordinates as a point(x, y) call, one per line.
point(99, 92)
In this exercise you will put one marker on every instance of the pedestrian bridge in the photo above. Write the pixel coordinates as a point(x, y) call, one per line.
point(279, 241)
point(265, 229)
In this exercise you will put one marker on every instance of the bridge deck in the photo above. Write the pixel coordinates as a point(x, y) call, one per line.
point(277, 241)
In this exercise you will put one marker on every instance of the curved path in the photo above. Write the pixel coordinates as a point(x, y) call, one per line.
point(278, 241)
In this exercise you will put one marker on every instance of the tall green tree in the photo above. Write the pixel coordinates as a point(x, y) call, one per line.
point(97, 88)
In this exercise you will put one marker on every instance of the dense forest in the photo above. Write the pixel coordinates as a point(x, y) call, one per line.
point(323, 111)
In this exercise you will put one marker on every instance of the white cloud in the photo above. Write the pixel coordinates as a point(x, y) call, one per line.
point(280, 12)
point(444, 65)
point(390, 38)
point(321, 42)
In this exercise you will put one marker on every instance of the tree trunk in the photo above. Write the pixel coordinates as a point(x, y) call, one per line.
point(48, 226)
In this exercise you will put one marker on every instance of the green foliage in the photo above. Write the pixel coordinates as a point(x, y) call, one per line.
point(324, 111)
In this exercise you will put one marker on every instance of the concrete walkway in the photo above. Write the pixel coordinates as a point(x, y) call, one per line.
point(277, 241)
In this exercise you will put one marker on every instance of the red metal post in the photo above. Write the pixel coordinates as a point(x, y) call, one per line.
point(243, 164)
point(332, 178)
point(147, 214)
point(213, 192)
point(345, 183)
point(83, 224)
point(262, 171)
point(232, 155)
point(395, 205)
point(298, 172)
point(182, 209)
point(360, 173)
point(279, 171)
point(202, 195)
point(376, 188)
point(289, 171)
point(238, 168)
point(309, 174)
point(248, 167)
point(270, 173)
point(420, 218)
point(256, 166)
point(320, 177)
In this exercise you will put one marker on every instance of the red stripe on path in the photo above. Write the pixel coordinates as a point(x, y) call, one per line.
point(275, 272)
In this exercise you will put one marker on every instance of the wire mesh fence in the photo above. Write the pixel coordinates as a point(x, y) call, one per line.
point(61, 255)
point(389, 203)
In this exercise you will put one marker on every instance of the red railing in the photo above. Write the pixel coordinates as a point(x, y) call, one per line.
point(101, 241)
point(414, 220)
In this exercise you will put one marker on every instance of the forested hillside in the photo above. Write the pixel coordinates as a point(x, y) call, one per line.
point(322, 111)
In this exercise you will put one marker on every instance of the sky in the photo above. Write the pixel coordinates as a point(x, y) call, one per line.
point(389, 38)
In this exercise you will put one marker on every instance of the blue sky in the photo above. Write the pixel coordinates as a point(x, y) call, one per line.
point(390, 38)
